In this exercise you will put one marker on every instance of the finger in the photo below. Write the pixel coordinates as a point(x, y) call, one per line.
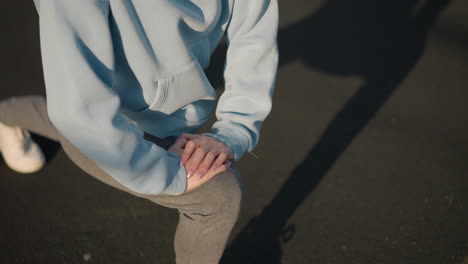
point(224, 167)
point(189, 148)
point(219, 161)
point(178, 148)
point(180, 143)
point(188, 136)
point(194, 162)
point(229, 153)
point(183, 138)
point(206, 163)
point(225, 148)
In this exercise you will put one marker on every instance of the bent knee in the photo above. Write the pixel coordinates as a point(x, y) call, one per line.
point(236, 187)
point(222, 194)
point(232, 184)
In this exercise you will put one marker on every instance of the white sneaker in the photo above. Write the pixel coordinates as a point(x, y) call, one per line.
point(19, 151)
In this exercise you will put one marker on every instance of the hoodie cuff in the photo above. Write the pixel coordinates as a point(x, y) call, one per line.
point(178, 183)
point(233, 138)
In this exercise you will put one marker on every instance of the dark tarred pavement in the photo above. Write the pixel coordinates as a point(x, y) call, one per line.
point(364, 158)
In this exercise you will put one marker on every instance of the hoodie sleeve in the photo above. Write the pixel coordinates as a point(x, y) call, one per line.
point(249, 75)
point(78, 61)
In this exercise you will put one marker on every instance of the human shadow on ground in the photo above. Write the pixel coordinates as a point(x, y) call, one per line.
point(379, 41)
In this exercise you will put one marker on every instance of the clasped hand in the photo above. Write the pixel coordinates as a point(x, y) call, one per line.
point(203, 157)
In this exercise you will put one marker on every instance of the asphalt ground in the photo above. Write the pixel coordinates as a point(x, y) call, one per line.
point(363, 158)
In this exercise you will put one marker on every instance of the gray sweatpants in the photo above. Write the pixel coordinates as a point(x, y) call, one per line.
point(207, 214)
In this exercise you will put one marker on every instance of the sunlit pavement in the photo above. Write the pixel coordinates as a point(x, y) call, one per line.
point(363, 158)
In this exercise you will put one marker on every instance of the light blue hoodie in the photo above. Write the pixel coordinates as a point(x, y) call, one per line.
point(116, 68)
